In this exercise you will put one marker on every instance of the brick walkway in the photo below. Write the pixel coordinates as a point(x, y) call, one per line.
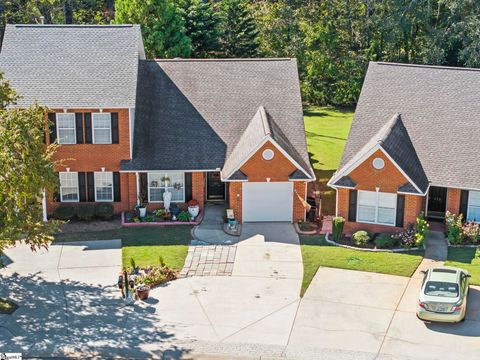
point(209, 260)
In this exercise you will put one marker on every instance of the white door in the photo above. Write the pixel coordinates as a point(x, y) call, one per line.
point(267, 201)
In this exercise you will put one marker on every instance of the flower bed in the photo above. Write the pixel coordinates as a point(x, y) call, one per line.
point(131, 219)
point(370, 248)
point(462, 234)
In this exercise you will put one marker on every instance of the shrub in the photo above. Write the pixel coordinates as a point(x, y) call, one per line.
point(337, 228)
point(64, 212)
point(471, 232)
point(454, 228)
point(183, 216)
point(422, 230)
point(104, 211)
point(406, 238)
point(159, 212)
point(85, 212)
point(385, 240)
point(361, 238)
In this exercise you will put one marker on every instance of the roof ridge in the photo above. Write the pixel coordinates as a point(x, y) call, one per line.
point(425, 66)
point(386, 129)
point(264, 118)
point(73, 25)
point(220, 60)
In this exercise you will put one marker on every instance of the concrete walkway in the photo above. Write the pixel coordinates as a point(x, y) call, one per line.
point(436, 246)
point(206, 260)
point(210, 230)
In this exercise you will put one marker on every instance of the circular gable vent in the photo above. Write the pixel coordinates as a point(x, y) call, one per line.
point(378, 163)
point(268, 154)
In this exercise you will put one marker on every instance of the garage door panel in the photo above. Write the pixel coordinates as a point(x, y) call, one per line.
point(267, 201)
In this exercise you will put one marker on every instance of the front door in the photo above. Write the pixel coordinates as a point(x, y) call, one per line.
point(215, 187)
point(437, 202)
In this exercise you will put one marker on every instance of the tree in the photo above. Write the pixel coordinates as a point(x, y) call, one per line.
point(162, 25)
point(26, 169)
point(238, 32)
point(201, 26)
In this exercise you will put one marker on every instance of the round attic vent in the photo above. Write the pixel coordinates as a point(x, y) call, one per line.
point(378, 163)
point(268, 154)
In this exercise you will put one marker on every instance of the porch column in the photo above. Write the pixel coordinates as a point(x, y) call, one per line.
point(44, 206)
point(137, 178)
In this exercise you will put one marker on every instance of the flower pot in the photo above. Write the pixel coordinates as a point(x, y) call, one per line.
point(143, 292)
point(193, 211)
point(142, 212)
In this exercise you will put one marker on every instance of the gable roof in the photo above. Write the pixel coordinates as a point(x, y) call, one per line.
point(191, 114)
point(81, 66)
point(439, 109)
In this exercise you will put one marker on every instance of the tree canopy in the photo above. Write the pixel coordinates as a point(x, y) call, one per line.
point(26, 169)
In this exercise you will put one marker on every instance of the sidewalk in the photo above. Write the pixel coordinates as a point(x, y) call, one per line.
point(210, 230)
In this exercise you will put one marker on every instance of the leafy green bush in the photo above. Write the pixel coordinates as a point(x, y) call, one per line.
point(337, 228)
point(422, 230)
point(104, 211)
point(455, 228)
point(385, 240)
point(183, 216)
point(85, 212)
point(361, 238)
point(65, 212)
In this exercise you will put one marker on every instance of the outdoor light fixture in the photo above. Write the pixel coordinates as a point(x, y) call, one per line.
point(103, 169)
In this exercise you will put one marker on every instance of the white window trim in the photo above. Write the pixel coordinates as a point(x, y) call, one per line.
point(163, 173)
point(95, 185)
point(74, 129)
point(61, 192)
point(376, 211)
point(93, 129)
point(468, 210)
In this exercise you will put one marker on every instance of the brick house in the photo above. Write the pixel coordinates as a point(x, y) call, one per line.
point(221, 130)
point(412, 148)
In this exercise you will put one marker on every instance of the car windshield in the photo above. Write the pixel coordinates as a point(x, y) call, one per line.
point(440, 288)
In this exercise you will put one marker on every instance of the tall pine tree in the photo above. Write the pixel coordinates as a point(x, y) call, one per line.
point(238, 29)
point(162, 25)
point(201, 26)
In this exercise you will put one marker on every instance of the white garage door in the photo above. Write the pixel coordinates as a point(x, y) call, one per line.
point(263, 201)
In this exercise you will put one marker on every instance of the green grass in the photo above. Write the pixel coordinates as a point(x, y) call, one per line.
point(144, 244)
point(7, 307)
point(317, 252)
point(327, 130)
point(468, 259)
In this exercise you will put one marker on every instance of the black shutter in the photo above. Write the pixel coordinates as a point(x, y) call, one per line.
point(52, 126)
point(82, 194)
point(464, 203)
point(188, 186)
point(116, 187)
point(90, 187)
point(400, 210)
point(79, 127)
point(56, 193)
point(114, 128)
point(143, 187)
point(87, 118)
point(352, 206)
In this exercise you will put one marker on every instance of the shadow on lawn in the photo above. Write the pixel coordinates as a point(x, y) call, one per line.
point(463, 255)
point(72, 318)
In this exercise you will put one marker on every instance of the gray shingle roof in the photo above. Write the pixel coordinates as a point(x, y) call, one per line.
point(238, 175)
point(298, 175)
point(81, 66)
point(439, 108)
point(345, 181)
point(408, 188)
point(191, 114)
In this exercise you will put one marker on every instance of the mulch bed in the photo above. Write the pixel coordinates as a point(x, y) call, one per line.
point(349, 241)
point(74, 226)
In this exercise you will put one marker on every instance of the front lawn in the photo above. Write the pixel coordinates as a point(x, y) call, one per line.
point(327, 130)
point(468, 259)
point(317, 252)
point(144, 244)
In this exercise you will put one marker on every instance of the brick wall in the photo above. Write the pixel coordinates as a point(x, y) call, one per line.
point(453, 200)
point(388, 180)
point(92, 157)
point(298, 209)
point(198, 188)
point(235, 199)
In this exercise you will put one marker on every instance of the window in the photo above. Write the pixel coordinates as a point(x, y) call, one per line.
point(102, 128)
point(68, 186)
point(66, 128)
point(378, 163)
point(103, 186)
point(268, 154)
point(158, 182)
point(473, 211)
point(376, 207)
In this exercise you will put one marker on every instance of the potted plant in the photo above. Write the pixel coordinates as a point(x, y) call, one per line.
point(143, 291)
point(193, 208)
point(141, 209)
point(166, 180)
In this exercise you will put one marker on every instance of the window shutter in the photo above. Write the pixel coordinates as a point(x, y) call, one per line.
point(87, 118)
point(82, 195)
point(464, 203)
point(188, 186)
point(79, 127)
point(143, 187)
point(116, 187)
point(52, 127)
point(56, 193)
point(90, 187)
point(114, 128)
point(352, 206)
point(400, 210)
